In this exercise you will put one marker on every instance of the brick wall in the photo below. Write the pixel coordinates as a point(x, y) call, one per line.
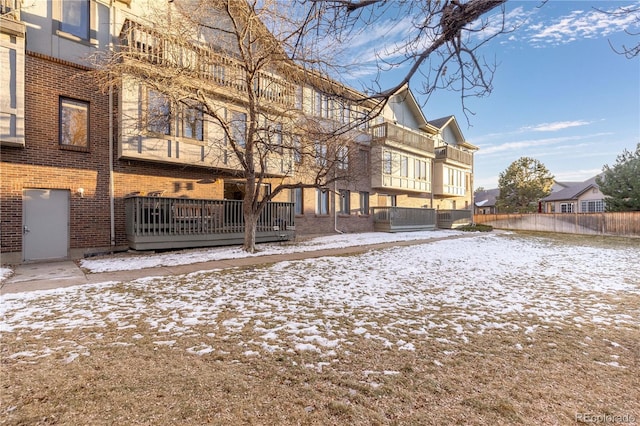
point(42, 163)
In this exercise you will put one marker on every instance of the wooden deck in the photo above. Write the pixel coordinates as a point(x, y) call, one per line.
point(171, 223)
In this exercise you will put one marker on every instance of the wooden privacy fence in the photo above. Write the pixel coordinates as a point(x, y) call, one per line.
point(608, 223)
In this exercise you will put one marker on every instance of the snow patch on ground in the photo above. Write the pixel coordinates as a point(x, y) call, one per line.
point(401, 298)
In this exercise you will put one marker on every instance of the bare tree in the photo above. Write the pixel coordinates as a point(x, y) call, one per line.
point(268, 118)
point(441, 47)
point(634, 12)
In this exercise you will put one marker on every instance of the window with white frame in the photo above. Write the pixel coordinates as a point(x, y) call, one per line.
point(342, 158)
point(193, 123)
point(592, 206)
point(321, 154)
point(566, 207)
point(75, 18)
point(74, 123)
point(297, 150)
point(322, 201)
point(275, 137)
point(387, 163)
point(239, 128)
point(455, 182)
point(345, 201)
point(404, 166)
point(158, 114)
point(420, 169)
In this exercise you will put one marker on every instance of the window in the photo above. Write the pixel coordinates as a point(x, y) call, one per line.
point(345, 114)
point(566, 208)
point(592, 206)
point(321, 105)
point(265, 190)
point(387, 163)
point(404, 166)
point(75, 18)
point(364, 159)
point(239, 128)
point(343, 158)
point(298, 201)
point(275, 137)
point(192, 123)
point(420, 169)
point(321, 154)
point(158, 113)
point(297, 150)
point(345, 201)
point(74, 123)
point(364, 203)
point(322, 201)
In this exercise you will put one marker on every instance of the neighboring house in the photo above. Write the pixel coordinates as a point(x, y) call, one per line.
point(485, 201)
point(70, 155)
point(575, 197)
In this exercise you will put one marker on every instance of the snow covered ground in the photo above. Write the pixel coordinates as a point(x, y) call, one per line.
point(186, 257)
point(401, 297)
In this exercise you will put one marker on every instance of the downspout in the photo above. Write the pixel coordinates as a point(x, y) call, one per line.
point(432, 174)
point(335, 211)
point(112, 219)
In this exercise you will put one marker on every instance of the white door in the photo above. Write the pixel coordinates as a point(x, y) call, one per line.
point(45, 224)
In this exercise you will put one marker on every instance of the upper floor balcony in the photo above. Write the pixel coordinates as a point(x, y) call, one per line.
point(453, 154)
point(223, 72)
point(400, 137)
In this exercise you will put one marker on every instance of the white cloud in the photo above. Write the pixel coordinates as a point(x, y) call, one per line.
point(576, 175)
point(555, 126)
point(522, 146)
point(580, 24)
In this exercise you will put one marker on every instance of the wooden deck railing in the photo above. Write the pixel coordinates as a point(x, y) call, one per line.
point(389, 132)
point(163, 222)
point(146, 44)
point(454, 154)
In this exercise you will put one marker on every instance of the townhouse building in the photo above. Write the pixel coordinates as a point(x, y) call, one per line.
point(76, 160)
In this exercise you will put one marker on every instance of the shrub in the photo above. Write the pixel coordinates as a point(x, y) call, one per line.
point(475, 227)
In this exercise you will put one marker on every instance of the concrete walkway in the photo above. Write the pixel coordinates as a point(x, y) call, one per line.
point(45, 276)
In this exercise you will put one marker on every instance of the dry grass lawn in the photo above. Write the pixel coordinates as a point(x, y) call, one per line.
point(124, 373)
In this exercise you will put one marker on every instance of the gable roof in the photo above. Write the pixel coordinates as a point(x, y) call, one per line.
point(486, 198)
point(450, 121)
point(441, 122)
point(572, 191)
point(408, 98)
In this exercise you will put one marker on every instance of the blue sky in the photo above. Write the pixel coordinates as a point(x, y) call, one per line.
point(561, 94)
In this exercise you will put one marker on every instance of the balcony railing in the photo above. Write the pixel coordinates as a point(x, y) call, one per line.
point(166, 223)
point(454, 154)
point(448, 219)
point(398, 219)
point(145, 44)
point(389, 132)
